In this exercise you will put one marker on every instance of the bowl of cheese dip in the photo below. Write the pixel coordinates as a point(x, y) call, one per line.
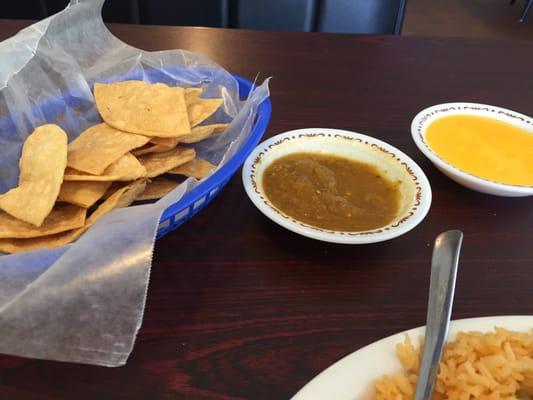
point(485, 148)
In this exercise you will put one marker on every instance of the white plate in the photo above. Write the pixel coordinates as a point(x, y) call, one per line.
point(352, 377)
point(425, 117)
point(415, 192)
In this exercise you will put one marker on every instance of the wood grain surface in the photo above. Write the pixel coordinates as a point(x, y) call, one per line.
point(238, 307)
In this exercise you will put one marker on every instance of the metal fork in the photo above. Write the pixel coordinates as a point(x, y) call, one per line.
point(441, 289)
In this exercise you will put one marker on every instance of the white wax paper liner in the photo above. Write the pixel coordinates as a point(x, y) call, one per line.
point(84, 302)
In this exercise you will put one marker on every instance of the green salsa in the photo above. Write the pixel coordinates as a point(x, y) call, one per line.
point(331, 192)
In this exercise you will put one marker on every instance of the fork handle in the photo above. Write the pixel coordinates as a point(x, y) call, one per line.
point(441, 289)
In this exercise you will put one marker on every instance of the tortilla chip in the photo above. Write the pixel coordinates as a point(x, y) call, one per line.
point(201, 109)
point(113, 188)
point(168, 142)
point(62, 218)
point(157, 188)
point(159, 163)
point(46, 242)
point(202, 132)
point(150, 148)
point(126, 168)
point(114, 201)
point(192, 94)
point(121, 198)
point(83, 194)
point(196, 168)
point(42, 163)
point(140, 107)
point(99, 146)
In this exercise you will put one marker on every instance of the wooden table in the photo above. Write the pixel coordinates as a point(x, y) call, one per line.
point(238, 307)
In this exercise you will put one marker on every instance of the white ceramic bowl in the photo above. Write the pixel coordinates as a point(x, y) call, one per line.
point(415, 192)
point(425, 117)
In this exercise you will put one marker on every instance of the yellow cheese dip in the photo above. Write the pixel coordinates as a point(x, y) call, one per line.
point(484, 147)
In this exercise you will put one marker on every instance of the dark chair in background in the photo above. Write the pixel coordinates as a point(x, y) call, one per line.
point(348, 16)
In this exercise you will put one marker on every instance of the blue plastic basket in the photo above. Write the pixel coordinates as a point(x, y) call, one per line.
point(193, 201)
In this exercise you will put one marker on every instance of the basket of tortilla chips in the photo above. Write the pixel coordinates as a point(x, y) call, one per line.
point(143, 133)
point(103, 147)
